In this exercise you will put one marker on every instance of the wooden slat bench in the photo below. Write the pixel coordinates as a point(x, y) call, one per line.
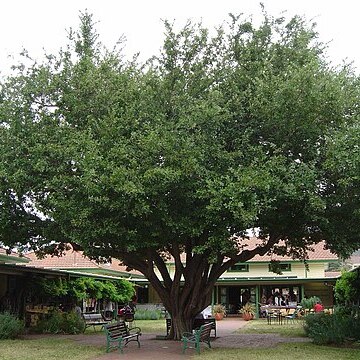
point(196, 325)
point(94, 320)
point(199, 336)
point(121, 335)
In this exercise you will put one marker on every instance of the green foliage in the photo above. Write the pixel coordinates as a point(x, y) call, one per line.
point(248, 308)
point(347, 288)
point(85, 288)
point(117, 291)
point(73, 323)
point(125, 291)
point(275, 267)
point(219, 308)
point(308, 303)
point(54, 287)
point(10, 326)
point(221, 132)
point(60, 322)
point(52, 324)
point(148, 315)
point(332, 329)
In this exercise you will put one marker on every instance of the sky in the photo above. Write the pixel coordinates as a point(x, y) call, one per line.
point(42, 24)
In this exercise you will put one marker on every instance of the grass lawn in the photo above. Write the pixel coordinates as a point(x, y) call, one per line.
point(59, 348)
point(152, 326)
point(47, 348)
point(260, 326)
point(147, 327)
point(291, 351)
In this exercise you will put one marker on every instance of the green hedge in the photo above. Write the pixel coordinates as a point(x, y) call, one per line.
point(64, 323)
point(10, 326)
point(332, 329)
point(148, 315)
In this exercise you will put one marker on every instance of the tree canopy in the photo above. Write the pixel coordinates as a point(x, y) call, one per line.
point(180, 157)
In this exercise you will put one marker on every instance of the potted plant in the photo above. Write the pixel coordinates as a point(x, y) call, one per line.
point(248, 311)
point(219, 311)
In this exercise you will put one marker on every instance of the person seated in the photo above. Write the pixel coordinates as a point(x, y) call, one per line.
point(270, 300)
point(318, 307)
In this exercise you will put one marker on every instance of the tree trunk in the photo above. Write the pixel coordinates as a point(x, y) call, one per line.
point(179, 325)
point(188, 291)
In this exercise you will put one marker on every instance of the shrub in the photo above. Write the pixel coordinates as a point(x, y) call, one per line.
point(148, 315)
point(51, 324)
point(59, 322)
point(10, 326)
point(310, 302)
point(332, 329)
point(73, 323)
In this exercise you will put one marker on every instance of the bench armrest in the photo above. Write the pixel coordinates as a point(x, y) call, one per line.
point(187, 334)
point(135, 330)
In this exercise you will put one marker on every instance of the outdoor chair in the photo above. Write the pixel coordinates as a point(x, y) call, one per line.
point(292, 317)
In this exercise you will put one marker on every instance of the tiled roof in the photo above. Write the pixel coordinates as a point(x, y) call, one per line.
point(319, 252)
point(12, 253)
point(115, 265)
point(355, 259)
point(332, 274)
point(12, 257)
point(72, 259)
point(76, 260)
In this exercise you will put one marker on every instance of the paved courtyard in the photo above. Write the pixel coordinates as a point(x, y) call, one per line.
point(152, 348)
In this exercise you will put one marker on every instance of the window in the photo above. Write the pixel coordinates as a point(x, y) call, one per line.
point(239, 268)
point(280, 267)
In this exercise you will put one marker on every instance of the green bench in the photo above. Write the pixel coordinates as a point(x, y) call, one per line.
point(196, 325)
point(197, 337)
point(93, 319)
point(121, 335)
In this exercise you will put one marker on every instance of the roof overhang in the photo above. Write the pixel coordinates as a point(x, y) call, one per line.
point(9, 259)
point(21, 270)
point(269, 280)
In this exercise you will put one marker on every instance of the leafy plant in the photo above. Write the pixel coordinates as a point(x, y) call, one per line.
point(54, 287)
point(72, 323)
point(84, 288)
point(332, 329)
point(53, 324)
point(347, 288)
point(308, 303)
point(248, 308)
point(148, 315)
point(219, 309)
point(59, 322)
point(10, 326)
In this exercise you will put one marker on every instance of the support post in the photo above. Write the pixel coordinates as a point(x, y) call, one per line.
point(257, 300)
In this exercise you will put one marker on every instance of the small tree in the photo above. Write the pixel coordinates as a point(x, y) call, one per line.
point(347, 288)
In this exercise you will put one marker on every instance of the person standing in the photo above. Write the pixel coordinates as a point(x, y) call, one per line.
point(318, 307)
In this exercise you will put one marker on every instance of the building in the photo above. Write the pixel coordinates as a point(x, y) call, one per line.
point(19, 274)
point(253, 281)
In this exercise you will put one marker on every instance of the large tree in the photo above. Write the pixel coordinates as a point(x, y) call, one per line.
point(179, 157)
